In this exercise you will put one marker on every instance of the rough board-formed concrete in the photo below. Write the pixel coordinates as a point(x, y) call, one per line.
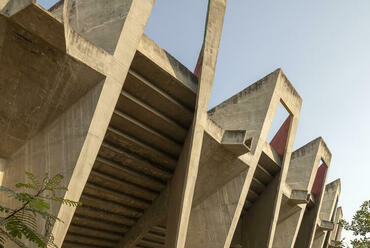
point(86, 93)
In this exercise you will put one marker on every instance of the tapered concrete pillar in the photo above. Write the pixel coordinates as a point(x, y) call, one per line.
point(336, 234)
point(69, 90)
point(297, 193)
point(225, 191)
point(325, 222)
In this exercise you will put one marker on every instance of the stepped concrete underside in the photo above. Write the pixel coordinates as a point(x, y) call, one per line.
point(84, 92)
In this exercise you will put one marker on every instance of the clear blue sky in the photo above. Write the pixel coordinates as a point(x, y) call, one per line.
point(322, 46)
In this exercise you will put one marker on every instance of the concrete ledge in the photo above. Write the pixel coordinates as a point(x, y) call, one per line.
point(236, 141)
point(299, 197)
point(325, 225)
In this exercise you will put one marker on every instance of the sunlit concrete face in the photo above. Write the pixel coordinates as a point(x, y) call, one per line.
point(300, 180)
point(128, 126)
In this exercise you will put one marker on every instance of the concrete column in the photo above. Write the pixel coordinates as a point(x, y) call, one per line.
point(183, 182)
point(325, 223)
point(301, 175)
point(2, 170)
point(251, 110)
point(115, 68)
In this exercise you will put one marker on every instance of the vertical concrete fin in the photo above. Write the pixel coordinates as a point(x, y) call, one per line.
point(301, 173)
point(327, 214)
point(308, 225)
point(115, 67)
point(265, 210)
point(183, 182)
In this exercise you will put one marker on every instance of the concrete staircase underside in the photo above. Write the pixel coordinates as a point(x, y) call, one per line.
point(137, 158)
point(138, 148)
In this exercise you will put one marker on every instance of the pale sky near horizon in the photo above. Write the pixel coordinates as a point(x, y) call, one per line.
point(322, 46)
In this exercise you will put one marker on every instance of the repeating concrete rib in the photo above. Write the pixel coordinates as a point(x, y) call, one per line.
point(132, 135)
point(251, 110)
point(297, 193)
point(325, 222)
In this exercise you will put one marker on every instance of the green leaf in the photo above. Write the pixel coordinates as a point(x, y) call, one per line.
point(26, 185)
point(39, 204)
point(33, 179)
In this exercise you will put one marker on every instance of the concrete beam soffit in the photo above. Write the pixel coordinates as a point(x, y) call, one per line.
point(11, 7)
point(116, 74)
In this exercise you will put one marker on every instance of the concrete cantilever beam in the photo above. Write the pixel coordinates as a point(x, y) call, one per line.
point(115, 67)
point(172, 208)
point(252, 110)
point(325, 223)
point(82, 138)
point(300, 179)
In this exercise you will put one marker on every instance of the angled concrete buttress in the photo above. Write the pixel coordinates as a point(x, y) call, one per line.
point(297, 191)
point(85, 93)
point(256, 173)
point(79, 84)
point(325, 223)
point(336, 234)
point(177, 197)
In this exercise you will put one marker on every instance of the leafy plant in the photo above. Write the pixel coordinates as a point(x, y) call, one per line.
point(359, 226)
point(21, 223)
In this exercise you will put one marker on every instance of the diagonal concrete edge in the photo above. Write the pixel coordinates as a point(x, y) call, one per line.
point(301, 175)
point(265, 211)
point(115, 68)
point(10, 7)
point(327, 213)
point(308, 224)
point(183, 182)
point(335, 235)
point(234, 114)
point(214, 233)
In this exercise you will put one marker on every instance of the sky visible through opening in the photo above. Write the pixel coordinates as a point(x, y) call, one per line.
point(322, 46)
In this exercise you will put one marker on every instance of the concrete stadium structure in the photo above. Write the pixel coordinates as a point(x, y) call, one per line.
point(84, 92)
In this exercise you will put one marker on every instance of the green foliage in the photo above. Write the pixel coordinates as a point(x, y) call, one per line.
point(21, 223)
point(360, 227)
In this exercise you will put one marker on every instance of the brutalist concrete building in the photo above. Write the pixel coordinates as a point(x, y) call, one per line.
point(84, 92)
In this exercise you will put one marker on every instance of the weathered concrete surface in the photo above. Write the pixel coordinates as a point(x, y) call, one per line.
point(183, 183)
point(325, 223)
point(38, 81)
point(100, 21)
point(265, 210)
point(116, 68)
point(10, 7)
point(51, 100)
point(56, 148)
point(336, 234)
point(301, 175)
point(2, 170)
point(251, 110)
point(149, 172)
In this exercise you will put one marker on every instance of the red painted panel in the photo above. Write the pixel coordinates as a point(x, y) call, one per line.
point(319, 180)
point(199, 64)
point(281, 137)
